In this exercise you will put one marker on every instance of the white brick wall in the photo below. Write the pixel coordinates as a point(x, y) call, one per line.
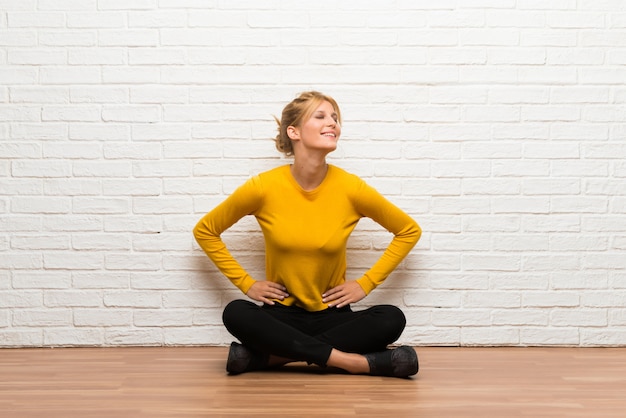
point(500, 125)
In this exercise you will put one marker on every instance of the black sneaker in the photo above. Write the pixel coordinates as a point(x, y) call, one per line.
point(241, 359)
point(399, 362)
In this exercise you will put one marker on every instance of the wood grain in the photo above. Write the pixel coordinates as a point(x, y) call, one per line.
point(192, 382)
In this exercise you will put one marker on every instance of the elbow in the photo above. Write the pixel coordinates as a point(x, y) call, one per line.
point(199, 231)
point(416, 232)
point(410, 234)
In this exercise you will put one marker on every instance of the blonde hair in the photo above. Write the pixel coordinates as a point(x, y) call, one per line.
point(296, 112)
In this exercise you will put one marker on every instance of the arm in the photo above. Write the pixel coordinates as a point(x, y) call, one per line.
point(244, 201)
point(406, 232)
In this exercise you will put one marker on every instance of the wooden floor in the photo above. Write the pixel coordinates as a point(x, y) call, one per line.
point(192, 382)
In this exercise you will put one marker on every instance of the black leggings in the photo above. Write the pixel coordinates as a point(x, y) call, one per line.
point(299, 335)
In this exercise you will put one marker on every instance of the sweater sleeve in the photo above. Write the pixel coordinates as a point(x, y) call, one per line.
point(207, 232)
point(406, 232)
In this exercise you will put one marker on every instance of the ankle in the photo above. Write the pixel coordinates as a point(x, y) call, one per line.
point(350, 362)
point(275, 361)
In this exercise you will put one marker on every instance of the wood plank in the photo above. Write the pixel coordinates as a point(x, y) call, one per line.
point(192, 382)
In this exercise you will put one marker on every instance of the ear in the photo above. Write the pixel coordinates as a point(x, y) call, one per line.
point(293, 132)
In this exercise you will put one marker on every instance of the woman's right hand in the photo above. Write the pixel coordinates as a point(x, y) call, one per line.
point(264, 291)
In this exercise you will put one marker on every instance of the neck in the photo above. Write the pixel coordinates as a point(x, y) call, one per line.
point(309, 173)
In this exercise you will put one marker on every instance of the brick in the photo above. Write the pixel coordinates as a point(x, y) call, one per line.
point(73, 151)
point(137, 113)
point(513, 281)
point(100, 56)
point(64, 260)
point(42, 318)
point(69, 75)
point(102, 317)
point(72, 223)
point(35, 20)
point(491, 223)
point(433, 336)
point(162, 242)
point(162, 318)
point(218, 18)
point(128, 38)
point(550, 299)
point(20, 299)
point(176, 94)
point(157, 19)
point(130, 75)
point(16, 337)
point(578, 317)
point(133, 223)
point(136, 187)
point(129, 262)
point(40, 242)
point(101, 242)
point(161, 281)
point(9, 5)
point(160, 131)
point(602, 337)
point(534, 263)
point(99, 20)
point(191, 335)
point(18, 38)
point(19, 113)
point(22, 223)
point(550, 38)
point(102, 169)
point(20, 150)
point(191, 37)
point(131, 337)
point(99, 94)
point(491, 263)
point(37, 57)
point(67, 5)
point(72, 337)
point(176, 168)
point(550, 336)
point(39, 94)
point(15, 187)
point(489, 336)
point(47, 205)
point(98, 131)
point(509, 317)
point(41, 280)
point(71, 113)
point(435, 299)
point(72, 298)
point(132, 299)
point(579, 280)
point(100, 280)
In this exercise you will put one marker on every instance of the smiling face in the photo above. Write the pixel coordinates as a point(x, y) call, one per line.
point(320, 132)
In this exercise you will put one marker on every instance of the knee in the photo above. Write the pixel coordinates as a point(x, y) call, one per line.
point(395, 315)
point(235, 311)
point(393, 318)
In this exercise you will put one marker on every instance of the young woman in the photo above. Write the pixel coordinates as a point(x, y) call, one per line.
point(307, 211)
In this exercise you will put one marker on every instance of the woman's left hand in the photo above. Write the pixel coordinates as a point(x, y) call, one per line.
point(344, 294)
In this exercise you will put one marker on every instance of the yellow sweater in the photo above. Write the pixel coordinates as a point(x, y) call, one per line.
point(306, 232)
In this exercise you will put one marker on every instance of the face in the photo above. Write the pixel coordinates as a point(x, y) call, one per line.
point(320, 132)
